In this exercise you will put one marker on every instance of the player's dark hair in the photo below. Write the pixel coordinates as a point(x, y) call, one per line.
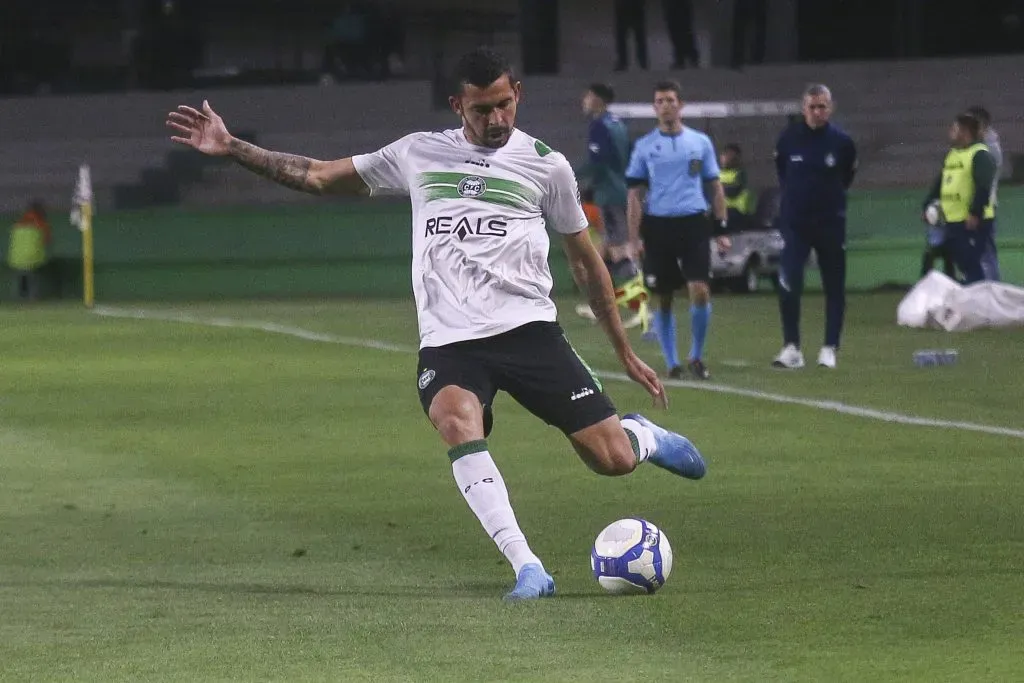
point(603, 91)
point(981, 114)
point(480, 68)
point(732, 147)
point(669, 86)
point(969, 123)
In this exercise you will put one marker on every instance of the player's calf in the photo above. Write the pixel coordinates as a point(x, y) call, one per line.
point(606, 448)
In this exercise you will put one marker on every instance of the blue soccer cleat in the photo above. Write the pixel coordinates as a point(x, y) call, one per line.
point(673, 452)
point(533, 583)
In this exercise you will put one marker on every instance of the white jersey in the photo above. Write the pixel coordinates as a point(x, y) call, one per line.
point(479, 228)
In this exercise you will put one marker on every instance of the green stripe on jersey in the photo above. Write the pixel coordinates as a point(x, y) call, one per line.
point(435, 192)
point(495, 187)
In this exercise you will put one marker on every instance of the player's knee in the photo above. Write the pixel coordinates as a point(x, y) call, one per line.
point(700, 293)
point(458, 417)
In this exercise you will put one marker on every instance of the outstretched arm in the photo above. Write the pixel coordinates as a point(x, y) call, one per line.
point(205, 131)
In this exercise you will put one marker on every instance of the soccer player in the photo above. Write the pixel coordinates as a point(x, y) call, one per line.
point(483, 197)
point(605, 173)
point(816, 163)
point(668, 209)
point(964, 189)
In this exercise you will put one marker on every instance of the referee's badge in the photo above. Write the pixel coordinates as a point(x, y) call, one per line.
point(830, 160)
point(695, 166)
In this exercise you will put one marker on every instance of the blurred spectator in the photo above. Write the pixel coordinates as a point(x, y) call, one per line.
point(168, 48)
point(747, 15)
point(989, 136)
point(35, 51)
point(738, 198)
point(351, 51)
point(679, 23)
point(26, 251)
point(630, 15)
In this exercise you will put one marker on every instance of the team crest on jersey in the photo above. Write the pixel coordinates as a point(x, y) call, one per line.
point(830, 160)
point(695, 166)
point(425, 379)
point(472, 186)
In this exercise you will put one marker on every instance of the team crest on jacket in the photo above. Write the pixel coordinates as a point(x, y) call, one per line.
point(830, 160)
point(472, 186)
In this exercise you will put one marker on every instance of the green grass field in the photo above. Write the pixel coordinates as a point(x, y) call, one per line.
point(181, 502)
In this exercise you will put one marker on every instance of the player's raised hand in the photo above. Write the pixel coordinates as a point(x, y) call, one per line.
point(642, 374)
point(203, 130)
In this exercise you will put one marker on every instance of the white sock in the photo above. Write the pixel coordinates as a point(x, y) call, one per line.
point(644, 444)
point(483, 488)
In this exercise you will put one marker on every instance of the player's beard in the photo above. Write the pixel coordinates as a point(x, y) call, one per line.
point(497, 136)
point(493, 137)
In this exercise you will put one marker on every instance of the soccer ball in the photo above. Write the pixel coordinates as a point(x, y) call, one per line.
point(631, 556)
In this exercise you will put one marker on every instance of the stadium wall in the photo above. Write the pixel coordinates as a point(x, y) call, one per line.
point(363, 249)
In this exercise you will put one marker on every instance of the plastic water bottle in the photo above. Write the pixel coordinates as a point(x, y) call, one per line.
point(929, 357)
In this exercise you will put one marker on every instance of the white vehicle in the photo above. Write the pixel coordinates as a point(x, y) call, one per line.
point(756, 249)
point(752, 257)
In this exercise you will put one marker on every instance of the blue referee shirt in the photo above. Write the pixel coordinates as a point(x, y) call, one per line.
point(674, 168)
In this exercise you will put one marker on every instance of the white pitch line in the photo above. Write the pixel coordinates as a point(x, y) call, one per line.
point(309, 335)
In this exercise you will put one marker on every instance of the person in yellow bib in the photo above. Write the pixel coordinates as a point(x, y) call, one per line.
point(739, 200)
point(964, 191)
point(26, 250)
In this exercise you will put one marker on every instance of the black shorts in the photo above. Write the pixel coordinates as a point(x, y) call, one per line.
point(534, 364)
point(677, 250)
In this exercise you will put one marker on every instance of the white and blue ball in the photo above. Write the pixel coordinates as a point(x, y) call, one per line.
point(631, 556)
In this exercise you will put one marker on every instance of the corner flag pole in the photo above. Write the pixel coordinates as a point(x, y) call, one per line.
point(81, 216)
point(88, 283)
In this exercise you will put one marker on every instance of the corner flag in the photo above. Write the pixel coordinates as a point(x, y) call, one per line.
point(81, 217)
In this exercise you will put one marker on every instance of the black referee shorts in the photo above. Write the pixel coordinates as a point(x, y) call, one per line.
point(534, 364)
point(677, 250)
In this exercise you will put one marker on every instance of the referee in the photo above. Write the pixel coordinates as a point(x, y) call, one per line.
point(668, 210)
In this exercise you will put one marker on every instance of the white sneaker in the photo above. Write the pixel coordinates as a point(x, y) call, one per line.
point(583, 311)
point(827, 357)
point(790, 357)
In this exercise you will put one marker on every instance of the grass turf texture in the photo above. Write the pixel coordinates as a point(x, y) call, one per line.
point(188, 503)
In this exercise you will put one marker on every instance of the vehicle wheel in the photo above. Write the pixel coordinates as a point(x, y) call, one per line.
point(750, 281)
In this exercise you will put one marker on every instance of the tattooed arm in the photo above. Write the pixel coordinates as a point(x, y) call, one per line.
point(298, 172)
point(205, 131)
point(592, 276)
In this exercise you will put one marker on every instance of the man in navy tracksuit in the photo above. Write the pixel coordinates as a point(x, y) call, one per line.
point(816, 162)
